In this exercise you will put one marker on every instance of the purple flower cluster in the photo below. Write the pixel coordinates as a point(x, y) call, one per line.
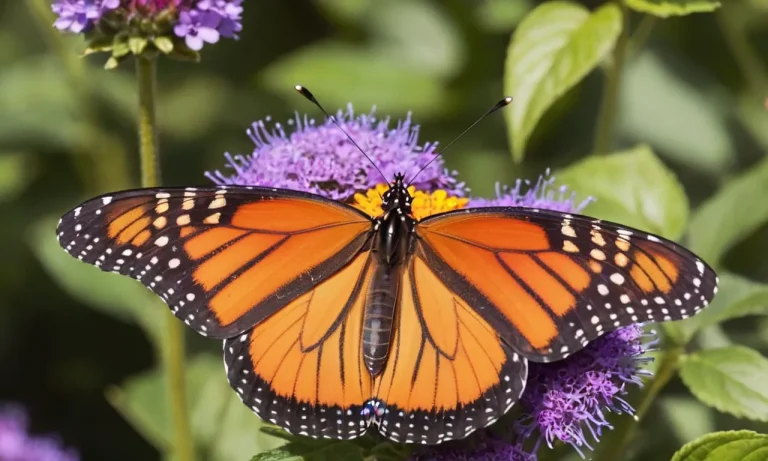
point(321, 159)
point(80, 15)
point(198, 21)
point(567, 400)
point(17, 445)
point(539, 195)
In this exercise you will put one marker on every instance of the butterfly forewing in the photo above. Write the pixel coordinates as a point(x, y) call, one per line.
point(223, 259)
point(551, 282)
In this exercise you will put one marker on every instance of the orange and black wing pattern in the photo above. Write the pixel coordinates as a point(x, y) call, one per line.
point(449, 371)
point(224, 258)
point(550, 282)
point(302, 368)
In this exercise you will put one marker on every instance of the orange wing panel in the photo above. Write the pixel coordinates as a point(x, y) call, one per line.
point(289, 215)
point(491, 231)
point(201, 245)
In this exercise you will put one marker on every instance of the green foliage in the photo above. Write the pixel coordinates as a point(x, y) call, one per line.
point(553, 48)
point(120, 297)
point(631, 187)
point(724, 219)
point(737, 297)
point(667, 8)
point(223, 428)
point(15, 173)
point(725, 446)
point(731, 379)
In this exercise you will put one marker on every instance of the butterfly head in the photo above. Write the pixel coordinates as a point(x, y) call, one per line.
point(397, 196)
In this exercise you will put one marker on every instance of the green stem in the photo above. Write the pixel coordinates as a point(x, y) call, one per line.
point(106, 164)
point(641, 34)
point(173, 340)
point(607, 116)
point(615, 446)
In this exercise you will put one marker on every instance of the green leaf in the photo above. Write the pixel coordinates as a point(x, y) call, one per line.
point(737, 210)
point(328, 451)
point(632, 187)
point(15, 174)
point(164, 44)
point(731, 379)
point(419, 35)
point(725, 446)
point(339, 74)
point(688, 124)
point(137, 44)
point(667, 8)
point(112, 294)
point(217, 416)
point(736, 297)
point(554, 47)
point(687, 417)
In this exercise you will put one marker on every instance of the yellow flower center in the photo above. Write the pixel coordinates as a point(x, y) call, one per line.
point(423, 204)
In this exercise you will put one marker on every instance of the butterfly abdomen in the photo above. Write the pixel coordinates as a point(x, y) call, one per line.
point(379, 314)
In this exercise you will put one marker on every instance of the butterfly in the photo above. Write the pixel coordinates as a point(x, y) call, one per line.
point(335, 321)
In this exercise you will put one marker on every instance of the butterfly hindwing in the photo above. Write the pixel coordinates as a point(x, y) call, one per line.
point(302, 368)
point(448, 372)
point(222, 258)
point(550, 282)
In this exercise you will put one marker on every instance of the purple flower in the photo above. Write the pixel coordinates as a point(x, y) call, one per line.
point(198, 27)
point(230, 12)
point(80, 15)
point(567, 400)
point(195, 21)
point(541, 195)
point(17, 445)
point(322, 160)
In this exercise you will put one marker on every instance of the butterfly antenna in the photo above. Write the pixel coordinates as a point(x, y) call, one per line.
point(307, 94)
point(497, 106)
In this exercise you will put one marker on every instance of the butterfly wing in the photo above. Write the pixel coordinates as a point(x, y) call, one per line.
point(224, 258)
point(550, 282)
point(448, 372)
point(302, 368)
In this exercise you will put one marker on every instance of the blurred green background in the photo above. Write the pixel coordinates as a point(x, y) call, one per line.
point(693, 89)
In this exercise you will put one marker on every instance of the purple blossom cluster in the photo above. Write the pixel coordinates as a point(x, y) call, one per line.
point(322, 160)
point(16, 444)
point(567, 400)
point(564, 401)
point(540, 194)
point(197, 21)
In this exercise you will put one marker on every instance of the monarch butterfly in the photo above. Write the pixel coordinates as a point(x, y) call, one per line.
point(334, 320)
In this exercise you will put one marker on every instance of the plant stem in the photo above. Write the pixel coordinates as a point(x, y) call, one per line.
point(607, 116)
point(640, 34)
point(172, 342)
point(104, 150)
point(747, 58)
point(614, 447)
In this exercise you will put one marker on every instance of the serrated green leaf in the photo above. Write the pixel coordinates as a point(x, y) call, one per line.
point(730, 379)
point(117, 296)
point(732, 214)
point(725, 446)
point(341, 74)
point(631, 187)
point(736, 297)
point(164, 44)
point(553, 48)
point(667, 8)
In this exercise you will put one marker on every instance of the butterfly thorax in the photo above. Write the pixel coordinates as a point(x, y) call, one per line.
point(391, 244)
